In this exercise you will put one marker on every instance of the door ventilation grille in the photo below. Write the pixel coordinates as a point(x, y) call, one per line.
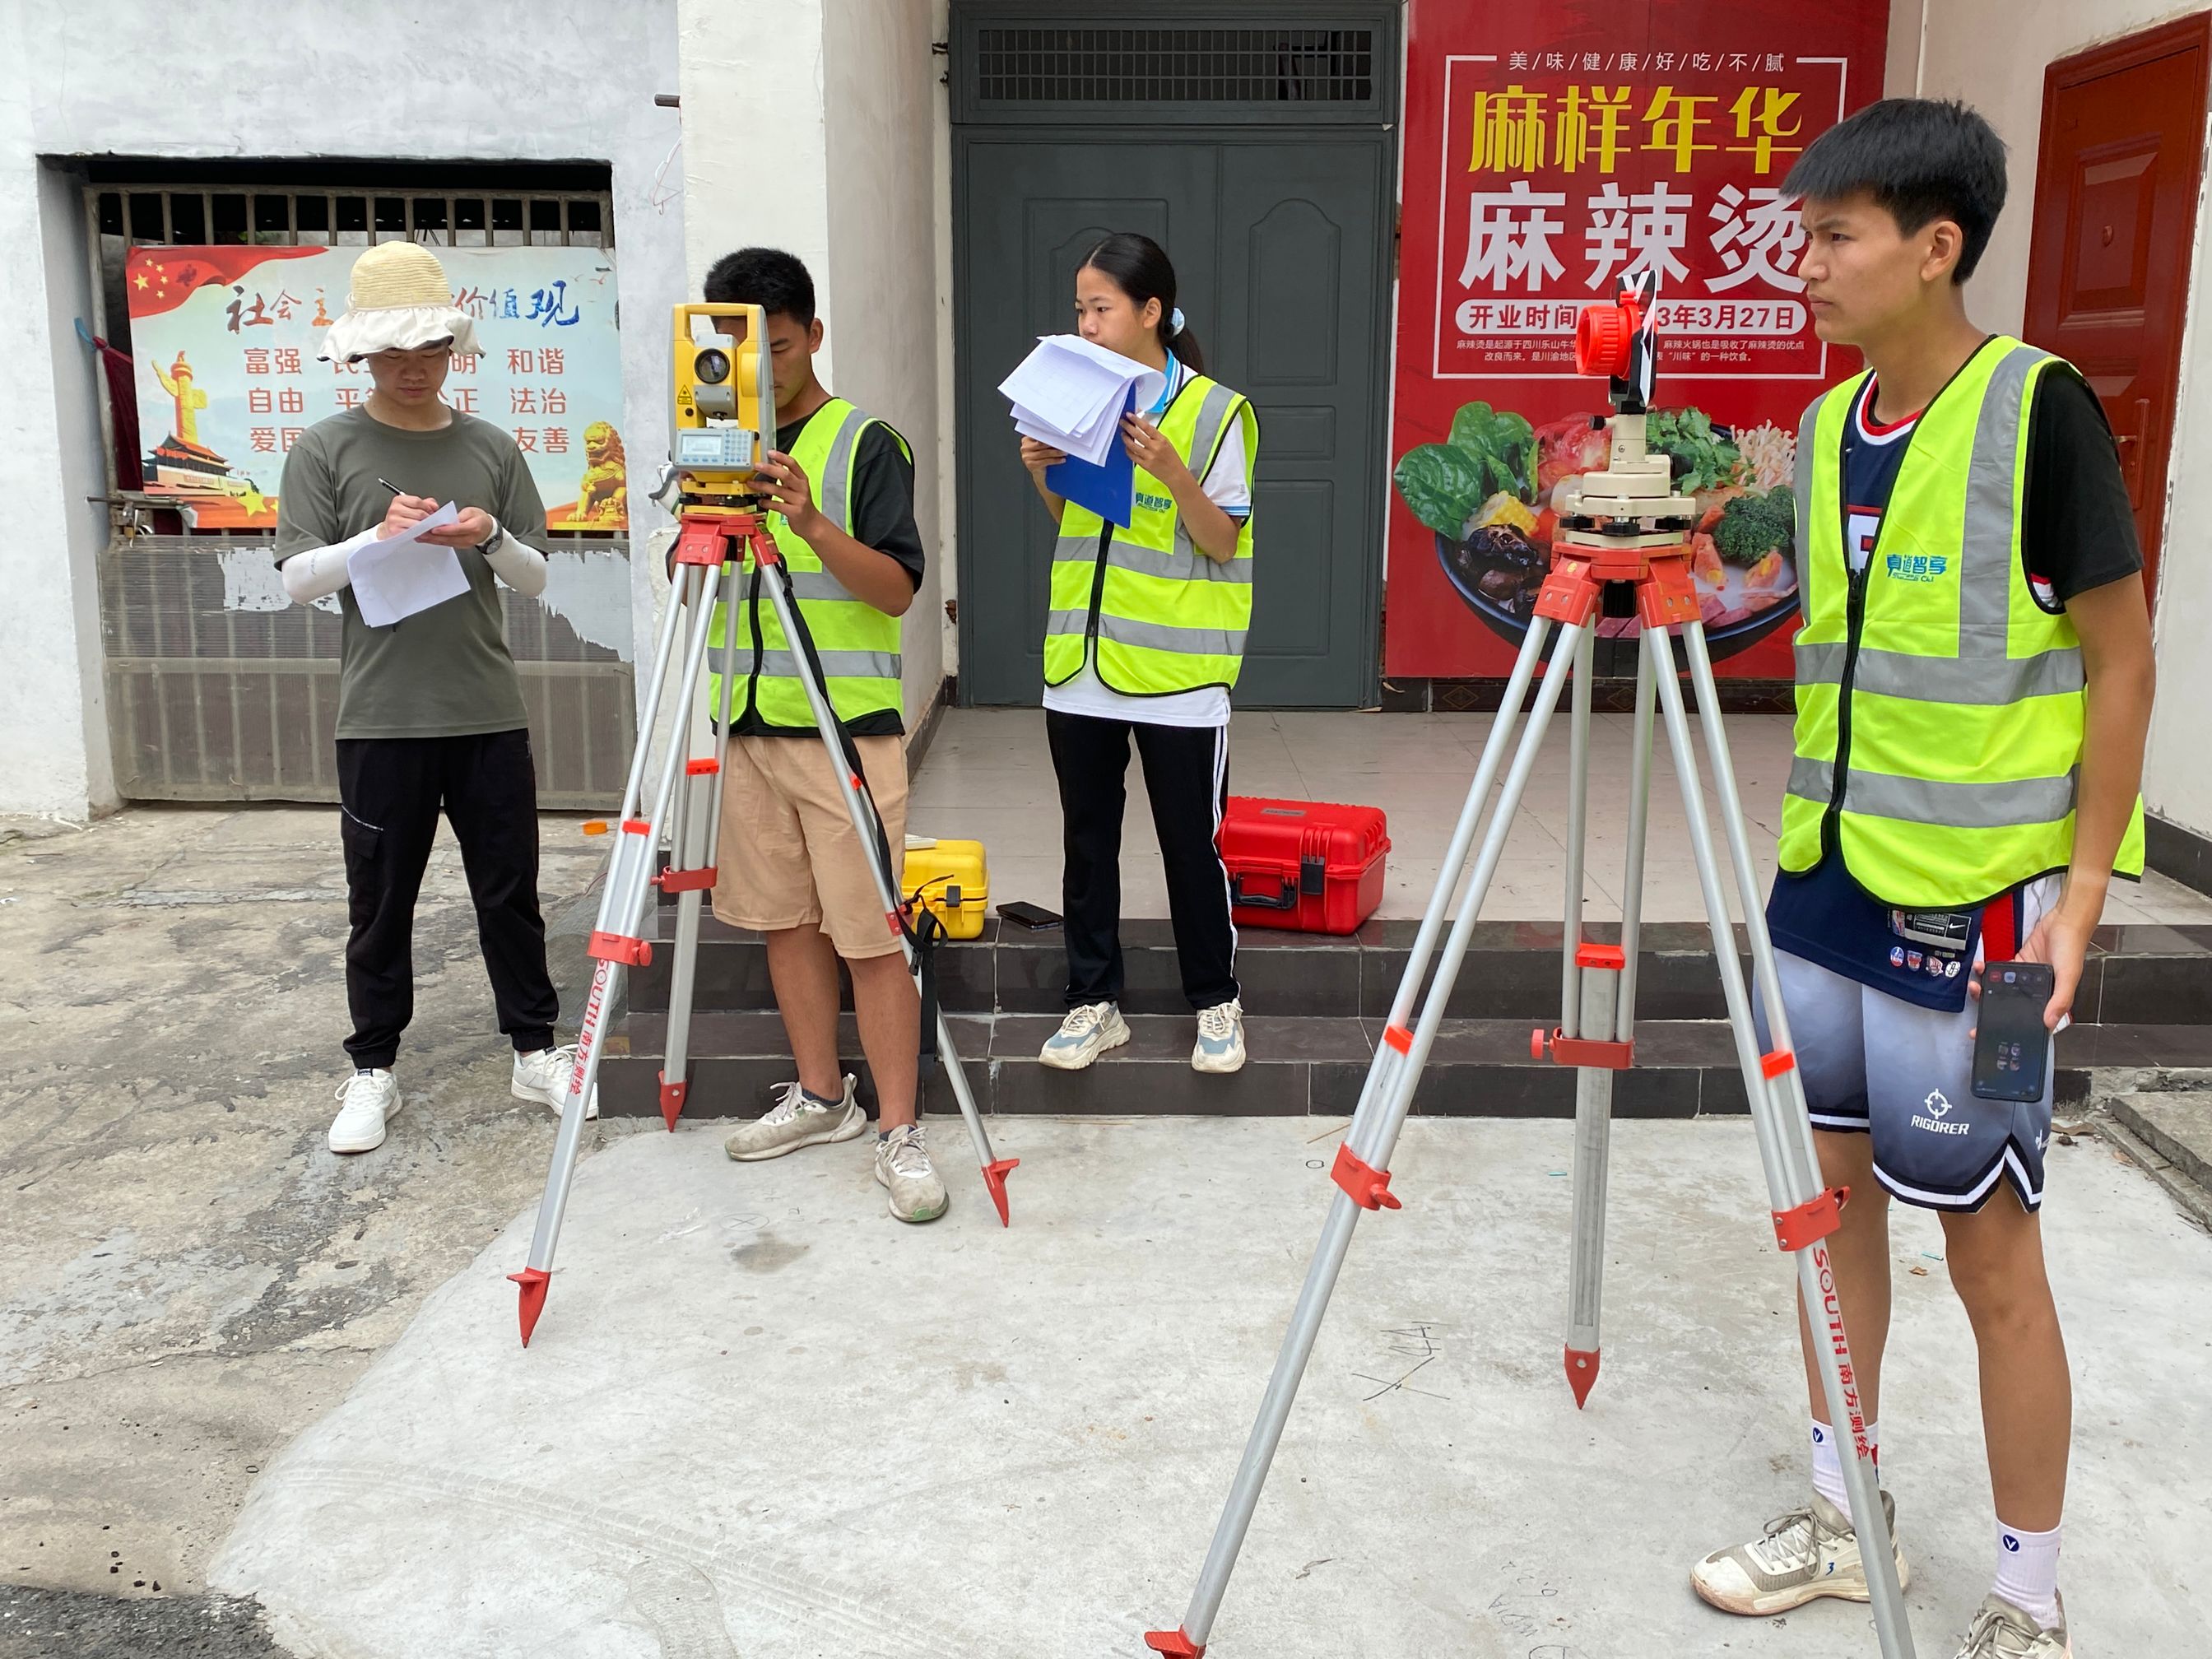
point(1175, 66)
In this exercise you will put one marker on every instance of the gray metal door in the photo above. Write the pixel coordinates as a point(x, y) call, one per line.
point(1263, 160)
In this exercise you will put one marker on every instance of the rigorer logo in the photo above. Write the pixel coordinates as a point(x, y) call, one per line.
point(1939, 1108)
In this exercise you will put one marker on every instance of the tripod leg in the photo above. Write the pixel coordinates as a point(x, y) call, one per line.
point(1578, 729)
point(1361, 1172)
point(1803, 1213)
point(692, 868)
point(1382, 1074)
point(687, 860)
point(616, 941)
point(869, 827)
point(1608, 1011)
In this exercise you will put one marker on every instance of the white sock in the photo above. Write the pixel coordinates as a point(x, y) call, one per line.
point(2028, 1572)
point(1828, 1463)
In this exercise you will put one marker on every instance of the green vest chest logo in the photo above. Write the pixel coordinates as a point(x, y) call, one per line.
point(1916, 566)
point(1155, 503)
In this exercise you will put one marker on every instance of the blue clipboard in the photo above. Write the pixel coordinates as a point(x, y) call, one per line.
point(1109, 490)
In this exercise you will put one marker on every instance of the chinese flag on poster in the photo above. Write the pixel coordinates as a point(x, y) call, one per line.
point(1549, 153)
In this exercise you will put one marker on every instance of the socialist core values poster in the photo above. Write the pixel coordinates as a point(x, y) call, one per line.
point(225, 339)
point(1549, 152)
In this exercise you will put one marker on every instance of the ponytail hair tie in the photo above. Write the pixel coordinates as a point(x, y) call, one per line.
point(1175, 321)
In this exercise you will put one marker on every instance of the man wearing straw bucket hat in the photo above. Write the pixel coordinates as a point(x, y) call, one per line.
point(430, 713)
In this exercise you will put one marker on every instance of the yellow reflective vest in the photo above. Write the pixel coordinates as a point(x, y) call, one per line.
point(1154, 614)
point(1940, 707)
point(859, 644)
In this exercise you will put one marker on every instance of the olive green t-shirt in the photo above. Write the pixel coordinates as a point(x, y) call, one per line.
point(442, 672)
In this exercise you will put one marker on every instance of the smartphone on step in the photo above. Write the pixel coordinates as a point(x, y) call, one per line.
point(1022, 913)
point(2012, 1049)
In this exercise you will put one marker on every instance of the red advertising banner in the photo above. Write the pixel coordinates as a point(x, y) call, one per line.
point(1548, 154)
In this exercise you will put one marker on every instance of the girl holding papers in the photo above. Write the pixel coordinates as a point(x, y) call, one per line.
point(1146, 634)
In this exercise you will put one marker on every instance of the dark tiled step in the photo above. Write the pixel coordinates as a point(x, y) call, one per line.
point(1479, 1068)
point(2142, 975)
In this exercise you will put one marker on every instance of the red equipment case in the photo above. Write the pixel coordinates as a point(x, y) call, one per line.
point(1306, 864)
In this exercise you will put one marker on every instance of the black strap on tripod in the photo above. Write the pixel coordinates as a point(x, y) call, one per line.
point(918, 926)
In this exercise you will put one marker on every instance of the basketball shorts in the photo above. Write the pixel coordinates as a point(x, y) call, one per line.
point(1876, 1066)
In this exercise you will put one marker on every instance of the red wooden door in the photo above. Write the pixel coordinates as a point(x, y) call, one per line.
point(2115, 221)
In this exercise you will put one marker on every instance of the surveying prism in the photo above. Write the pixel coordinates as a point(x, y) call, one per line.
point(1621, 549)
point(725, 427)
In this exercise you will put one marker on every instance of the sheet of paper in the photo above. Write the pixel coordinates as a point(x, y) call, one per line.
point(403, 575)
point(1071, 394)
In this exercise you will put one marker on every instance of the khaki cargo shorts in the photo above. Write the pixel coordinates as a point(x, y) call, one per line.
point(789, 856)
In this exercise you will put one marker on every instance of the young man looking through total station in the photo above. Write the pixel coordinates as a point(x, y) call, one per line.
point(839, 488)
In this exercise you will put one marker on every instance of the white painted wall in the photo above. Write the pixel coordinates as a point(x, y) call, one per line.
point(54, 748)
point(881, 100)
point(844, 177)
point(1992, 53)
point(496, 80)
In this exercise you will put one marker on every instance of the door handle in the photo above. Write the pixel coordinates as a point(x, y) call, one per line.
point(2131, 447)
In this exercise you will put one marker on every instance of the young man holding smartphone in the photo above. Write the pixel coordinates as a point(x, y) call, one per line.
point(1974, 680)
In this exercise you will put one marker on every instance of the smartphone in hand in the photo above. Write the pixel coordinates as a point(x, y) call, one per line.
point(2012, 1048)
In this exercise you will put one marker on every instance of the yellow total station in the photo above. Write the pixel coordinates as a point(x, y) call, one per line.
point(725, 386)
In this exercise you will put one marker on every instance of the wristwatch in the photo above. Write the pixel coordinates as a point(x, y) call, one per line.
point(491, 543)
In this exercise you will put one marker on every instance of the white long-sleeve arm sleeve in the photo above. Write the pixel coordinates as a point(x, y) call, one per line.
point(318, 572)
point(521, 567)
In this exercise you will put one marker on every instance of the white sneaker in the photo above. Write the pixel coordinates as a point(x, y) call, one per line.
point(1085, 1034)
point(1220, 1046)
point(1803, 1555)
point(903, 1166)
point(796, 1121)
point(2001, 1631)
point(544, 1077)
point(371, 1098)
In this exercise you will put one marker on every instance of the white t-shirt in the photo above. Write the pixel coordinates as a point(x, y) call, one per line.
point(1226, 487)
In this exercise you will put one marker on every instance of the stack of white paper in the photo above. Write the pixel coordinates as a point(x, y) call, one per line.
point(403, 575)
point(1071, 394)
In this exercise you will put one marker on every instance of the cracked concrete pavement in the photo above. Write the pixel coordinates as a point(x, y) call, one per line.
point(188, 1278)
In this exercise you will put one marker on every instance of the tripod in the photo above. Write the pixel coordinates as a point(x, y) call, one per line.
point(1621, 551)
point(689, 798)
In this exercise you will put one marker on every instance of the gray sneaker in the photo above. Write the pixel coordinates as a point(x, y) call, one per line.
point(1085, 1034)
point(1220, 1046)
point(903, 1166)
point(797, 1121)
point(2001, 1631)
point(1802, 1556)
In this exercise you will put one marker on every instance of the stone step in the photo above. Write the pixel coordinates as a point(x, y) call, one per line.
point(2137, 974)
point(1299, 1065)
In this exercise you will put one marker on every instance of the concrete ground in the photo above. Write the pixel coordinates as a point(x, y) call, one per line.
point(187, 1278)
point(759, 1417)
point(188, 1283)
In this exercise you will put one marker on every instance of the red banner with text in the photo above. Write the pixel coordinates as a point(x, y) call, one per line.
point(1548, 154)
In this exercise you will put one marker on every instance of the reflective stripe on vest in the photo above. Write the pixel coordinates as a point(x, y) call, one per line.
point(859, 644)
point(1152, 612)
point(1958, 701)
